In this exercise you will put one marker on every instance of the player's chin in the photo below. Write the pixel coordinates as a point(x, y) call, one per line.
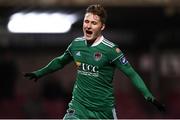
point(88, 38)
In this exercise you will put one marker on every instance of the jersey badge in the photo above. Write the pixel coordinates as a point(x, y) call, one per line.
point(123, 60)
point(97, 56)
point(118, 50)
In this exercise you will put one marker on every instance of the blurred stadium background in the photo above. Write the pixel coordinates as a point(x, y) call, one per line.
point(147, 31)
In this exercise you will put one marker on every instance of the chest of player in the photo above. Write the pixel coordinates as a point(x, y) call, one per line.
point(90, 56)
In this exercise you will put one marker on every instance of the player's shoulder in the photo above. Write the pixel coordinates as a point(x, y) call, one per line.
point(108, 43)
point(113, 47)
point(79, 39)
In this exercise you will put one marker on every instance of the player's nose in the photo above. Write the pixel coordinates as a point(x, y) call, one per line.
point(89, 25)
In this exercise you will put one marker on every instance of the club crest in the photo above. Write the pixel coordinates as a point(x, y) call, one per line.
point(97, 56)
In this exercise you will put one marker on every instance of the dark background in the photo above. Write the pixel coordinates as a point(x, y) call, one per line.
point(147, 34)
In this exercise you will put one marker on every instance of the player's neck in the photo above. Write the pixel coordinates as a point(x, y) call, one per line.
point(90, 42)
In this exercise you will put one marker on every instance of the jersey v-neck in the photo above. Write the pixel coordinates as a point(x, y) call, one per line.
point(95, 43)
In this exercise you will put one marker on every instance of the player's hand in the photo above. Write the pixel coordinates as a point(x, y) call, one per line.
point(31, 76)
point(159, 106)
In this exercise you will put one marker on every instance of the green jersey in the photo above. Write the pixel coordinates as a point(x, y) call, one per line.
point(95, 71)
point(96, 64)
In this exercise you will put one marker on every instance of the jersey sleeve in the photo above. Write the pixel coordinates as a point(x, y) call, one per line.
point(120, 61)
point(56, 64)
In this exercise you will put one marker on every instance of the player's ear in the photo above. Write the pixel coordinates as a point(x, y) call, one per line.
point(103, 27)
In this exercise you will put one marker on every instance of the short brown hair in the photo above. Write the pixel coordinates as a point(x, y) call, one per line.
point(97, 9)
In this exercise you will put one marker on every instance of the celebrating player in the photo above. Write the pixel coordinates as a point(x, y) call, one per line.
point(96, 59)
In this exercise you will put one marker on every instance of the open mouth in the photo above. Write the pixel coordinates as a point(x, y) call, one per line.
point(89, 32)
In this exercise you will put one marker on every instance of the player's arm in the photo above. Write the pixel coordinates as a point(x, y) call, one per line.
point(137, 81)
point(54, 65)
point(121, 62)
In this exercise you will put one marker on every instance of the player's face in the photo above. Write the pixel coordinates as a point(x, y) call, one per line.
point(92, 26)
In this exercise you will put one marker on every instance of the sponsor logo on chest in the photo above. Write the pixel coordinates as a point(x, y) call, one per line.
point(87, 69)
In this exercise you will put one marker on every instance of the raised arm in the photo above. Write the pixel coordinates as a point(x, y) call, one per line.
point(54, 65)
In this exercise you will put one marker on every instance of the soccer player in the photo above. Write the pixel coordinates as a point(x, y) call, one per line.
point(96, 59)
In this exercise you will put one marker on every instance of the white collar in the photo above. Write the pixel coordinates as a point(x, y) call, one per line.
point(98, 42)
